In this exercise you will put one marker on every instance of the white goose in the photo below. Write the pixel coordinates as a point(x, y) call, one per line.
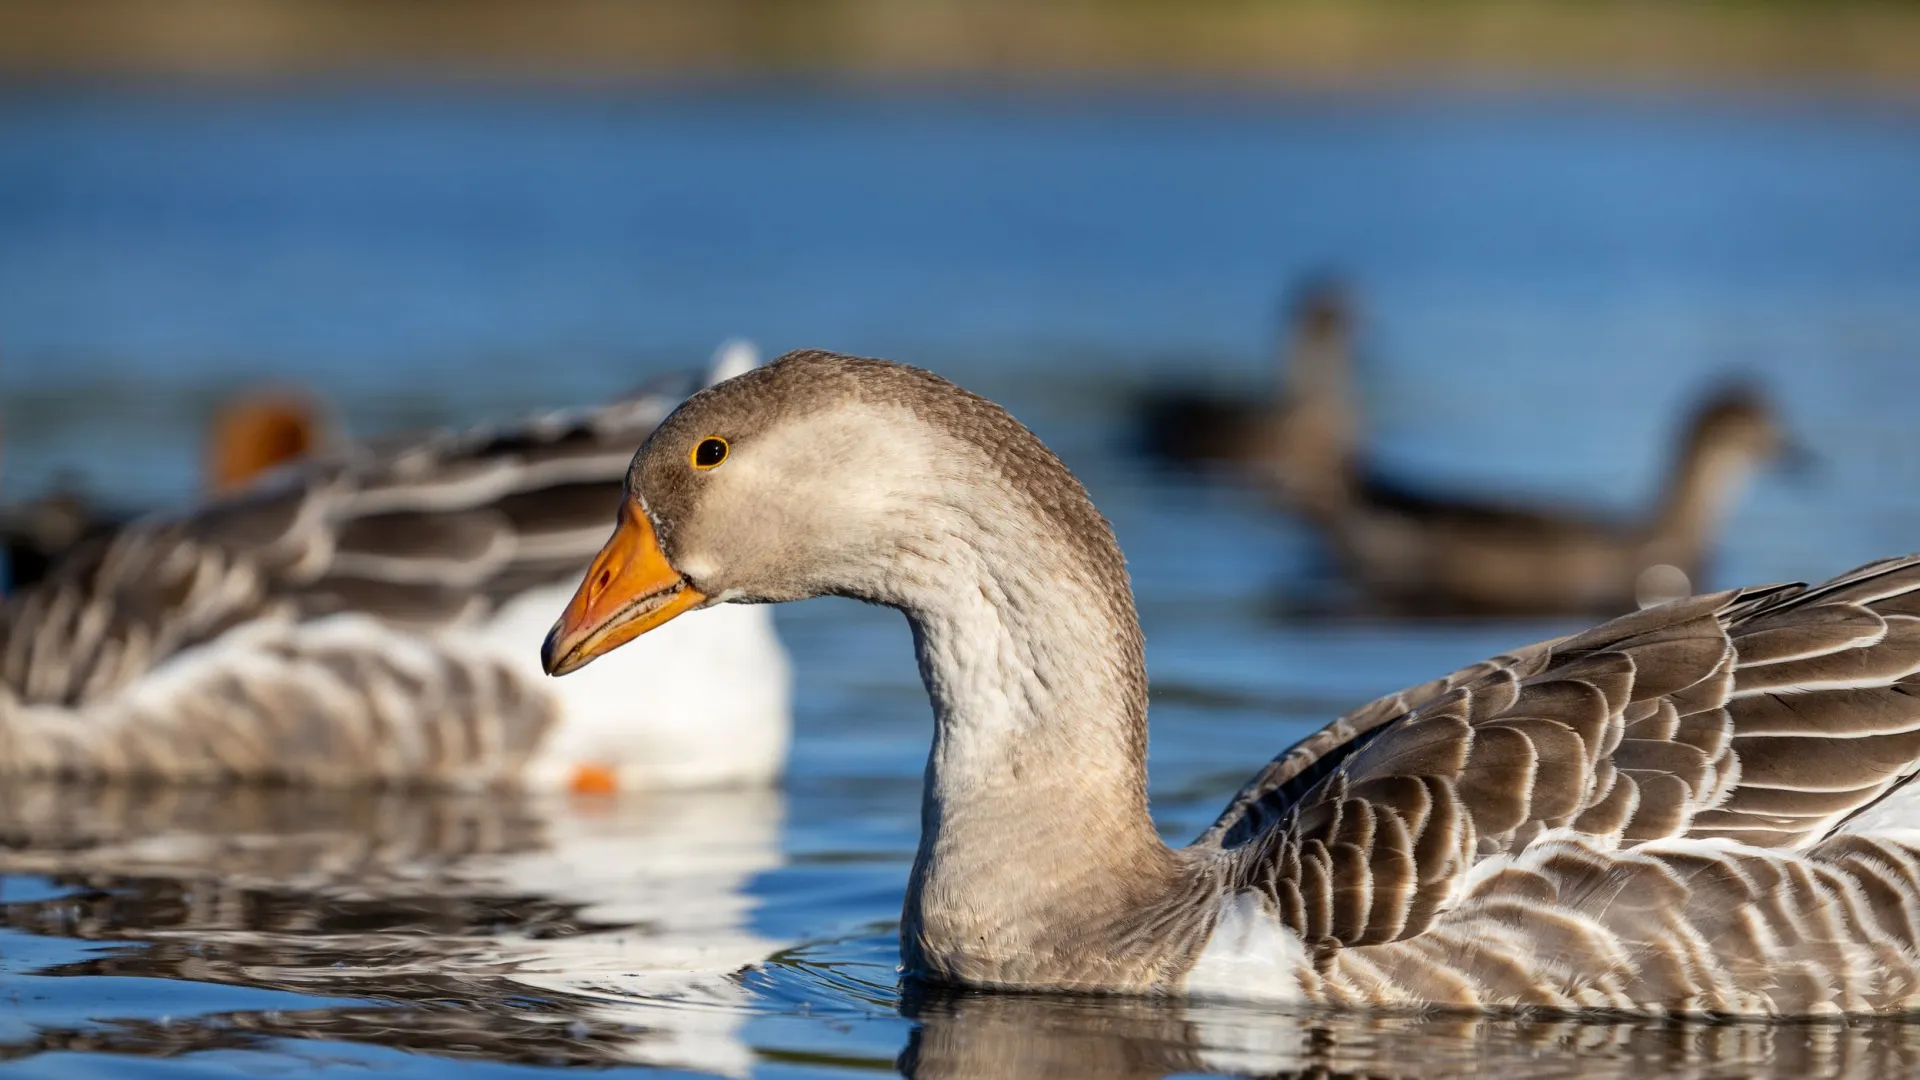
point(372, 617)
point(1699, 807)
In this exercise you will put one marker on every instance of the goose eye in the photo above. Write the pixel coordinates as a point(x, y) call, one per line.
point(709, 452)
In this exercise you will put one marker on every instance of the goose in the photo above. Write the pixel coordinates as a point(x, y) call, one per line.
point(1310, 429)
point(372, 617)
point(1417, 552)
point(1699, 807)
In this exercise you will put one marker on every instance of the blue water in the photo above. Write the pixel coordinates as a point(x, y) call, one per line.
point(1546, 283)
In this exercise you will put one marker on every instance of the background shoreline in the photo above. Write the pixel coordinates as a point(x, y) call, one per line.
point(1310, 44)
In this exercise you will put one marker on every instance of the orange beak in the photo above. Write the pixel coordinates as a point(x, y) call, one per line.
point(629, 590)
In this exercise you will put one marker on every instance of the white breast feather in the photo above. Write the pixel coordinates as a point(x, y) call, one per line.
point(1250, 956)
point(702, 700)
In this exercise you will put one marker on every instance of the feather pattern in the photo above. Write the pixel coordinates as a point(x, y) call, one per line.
point(1652, 813)
point(334, 624)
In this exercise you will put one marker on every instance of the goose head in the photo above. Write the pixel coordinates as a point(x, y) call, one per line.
point(1733, 433)
point(1320, 309)
point(829, 475)
point(257, 432)
point(820, 475)
point(1737, 421)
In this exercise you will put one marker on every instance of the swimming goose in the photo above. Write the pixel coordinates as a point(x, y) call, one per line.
point(372, 618)
point(1311, 428)
point(1697, 807)
point(1422, 553)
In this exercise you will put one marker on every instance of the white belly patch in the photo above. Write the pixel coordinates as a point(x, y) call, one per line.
point(1250, 956)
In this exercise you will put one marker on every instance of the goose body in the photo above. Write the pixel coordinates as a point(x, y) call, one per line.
point(372, 617)
point(1420, 552)
point(1701, 807)
point(1306, 434)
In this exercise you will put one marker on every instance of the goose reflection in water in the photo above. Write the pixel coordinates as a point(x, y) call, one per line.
point(500, 927)
point(974, 1035)
point(605, 932)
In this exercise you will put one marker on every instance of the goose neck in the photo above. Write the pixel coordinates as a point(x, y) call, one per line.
point(1034, 811)
point(1702, 485)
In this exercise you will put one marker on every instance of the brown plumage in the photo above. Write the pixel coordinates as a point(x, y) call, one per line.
point(1417, 551)
point(354, 620)
point(1698, 807)
point(1423, 553)
point(343, 536)
point(1311, 425)
point(37, 533)
point(1759, 723)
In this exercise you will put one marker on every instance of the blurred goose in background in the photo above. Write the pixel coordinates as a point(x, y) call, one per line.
point(1421, 553)
point(1311, 424)
point(373, 617)
point(250, 434)
point(36, 533)
point(1703, 807)
point(259, 431)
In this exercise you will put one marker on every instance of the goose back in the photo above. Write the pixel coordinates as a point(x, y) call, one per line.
point(1706, 767)
point(1423, 552)
point(323, 625)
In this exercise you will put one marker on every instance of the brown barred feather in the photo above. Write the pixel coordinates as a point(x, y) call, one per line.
point(1641, 815)
point(415, 534)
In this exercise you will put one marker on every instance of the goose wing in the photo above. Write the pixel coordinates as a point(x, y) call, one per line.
point(417, 532)
point(1263, 800)
point(1770, 716)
